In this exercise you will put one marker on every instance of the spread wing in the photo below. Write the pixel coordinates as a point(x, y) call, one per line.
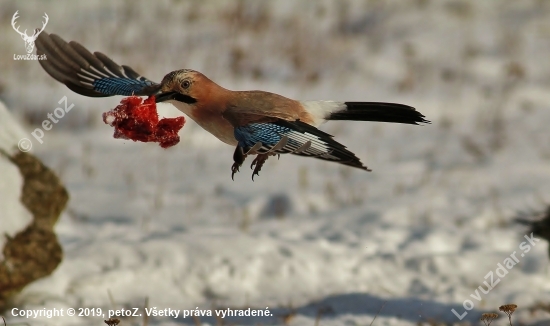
point(294, 137)
point(89, 74)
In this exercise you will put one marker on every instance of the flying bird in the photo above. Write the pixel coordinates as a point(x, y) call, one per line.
point(255, 122)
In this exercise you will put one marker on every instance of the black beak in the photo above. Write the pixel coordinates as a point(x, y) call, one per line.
point(161, 97)
point(167, 96)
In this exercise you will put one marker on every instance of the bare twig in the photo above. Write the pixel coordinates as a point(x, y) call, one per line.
point(320, 312)
point(382, 307)
point(487, 318)
point(146, 316)
point(197, 320)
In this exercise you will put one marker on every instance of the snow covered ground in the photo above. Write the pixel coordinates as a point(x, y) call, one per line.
point(408, 242)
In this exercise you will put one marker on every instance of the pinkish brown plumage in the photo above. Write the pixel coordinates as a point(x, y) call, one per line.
point(255, 122)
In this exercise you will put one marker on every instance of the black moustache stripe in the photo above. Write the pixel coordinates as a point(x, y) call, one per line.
point(184, 98)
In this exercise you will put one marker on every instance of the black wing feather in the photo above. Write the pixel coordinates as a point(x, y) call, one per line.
point(337, 152)
point(297, 138)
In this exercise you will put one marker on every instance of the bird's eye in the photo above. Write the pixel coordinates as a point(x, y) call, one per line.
point(185, 84)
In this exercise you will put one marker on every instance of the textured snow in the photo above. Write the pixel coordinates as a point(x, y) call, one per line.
point(410, 241)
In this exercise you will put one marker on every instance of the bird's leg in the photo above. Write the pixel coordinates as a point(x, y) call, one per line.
point(258, 163)
point(261, 158)
point(238, 157)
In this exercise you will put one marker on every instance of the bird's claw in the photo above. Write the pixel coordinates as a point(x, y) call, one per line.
point(234, 169)
point(238, 158)
point(257, 164)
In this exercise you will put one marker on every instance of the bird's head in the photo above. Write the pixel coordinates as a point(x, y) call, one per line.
point(185, 86)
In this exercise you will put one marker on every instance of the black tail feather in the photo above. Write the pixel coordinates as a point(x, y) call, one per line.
point(378, 111)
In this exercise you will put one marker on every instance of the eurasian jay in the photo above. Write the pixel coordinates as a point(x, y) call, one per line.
point(255, 122)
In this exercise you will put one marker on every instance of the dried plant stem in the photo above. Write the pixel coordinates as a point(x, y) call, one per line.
point(487, 318)
point(378, 312)
point(509, 310)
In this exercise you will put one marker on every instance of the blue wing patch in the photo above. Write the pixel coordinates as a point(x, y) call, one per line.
point(268, 134)
point(120, 86)
point(87, 73)
point(301, 139)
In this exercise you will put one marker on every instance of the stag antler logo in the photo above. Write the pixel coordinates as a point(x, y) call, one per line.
point(29, 40)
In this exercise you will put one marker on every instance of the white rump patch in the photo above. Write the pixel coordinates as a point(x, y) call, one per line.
point(319, 110)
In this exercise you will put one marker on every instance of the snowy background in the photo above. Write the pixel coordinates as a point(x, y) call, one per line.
point(409, 241)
